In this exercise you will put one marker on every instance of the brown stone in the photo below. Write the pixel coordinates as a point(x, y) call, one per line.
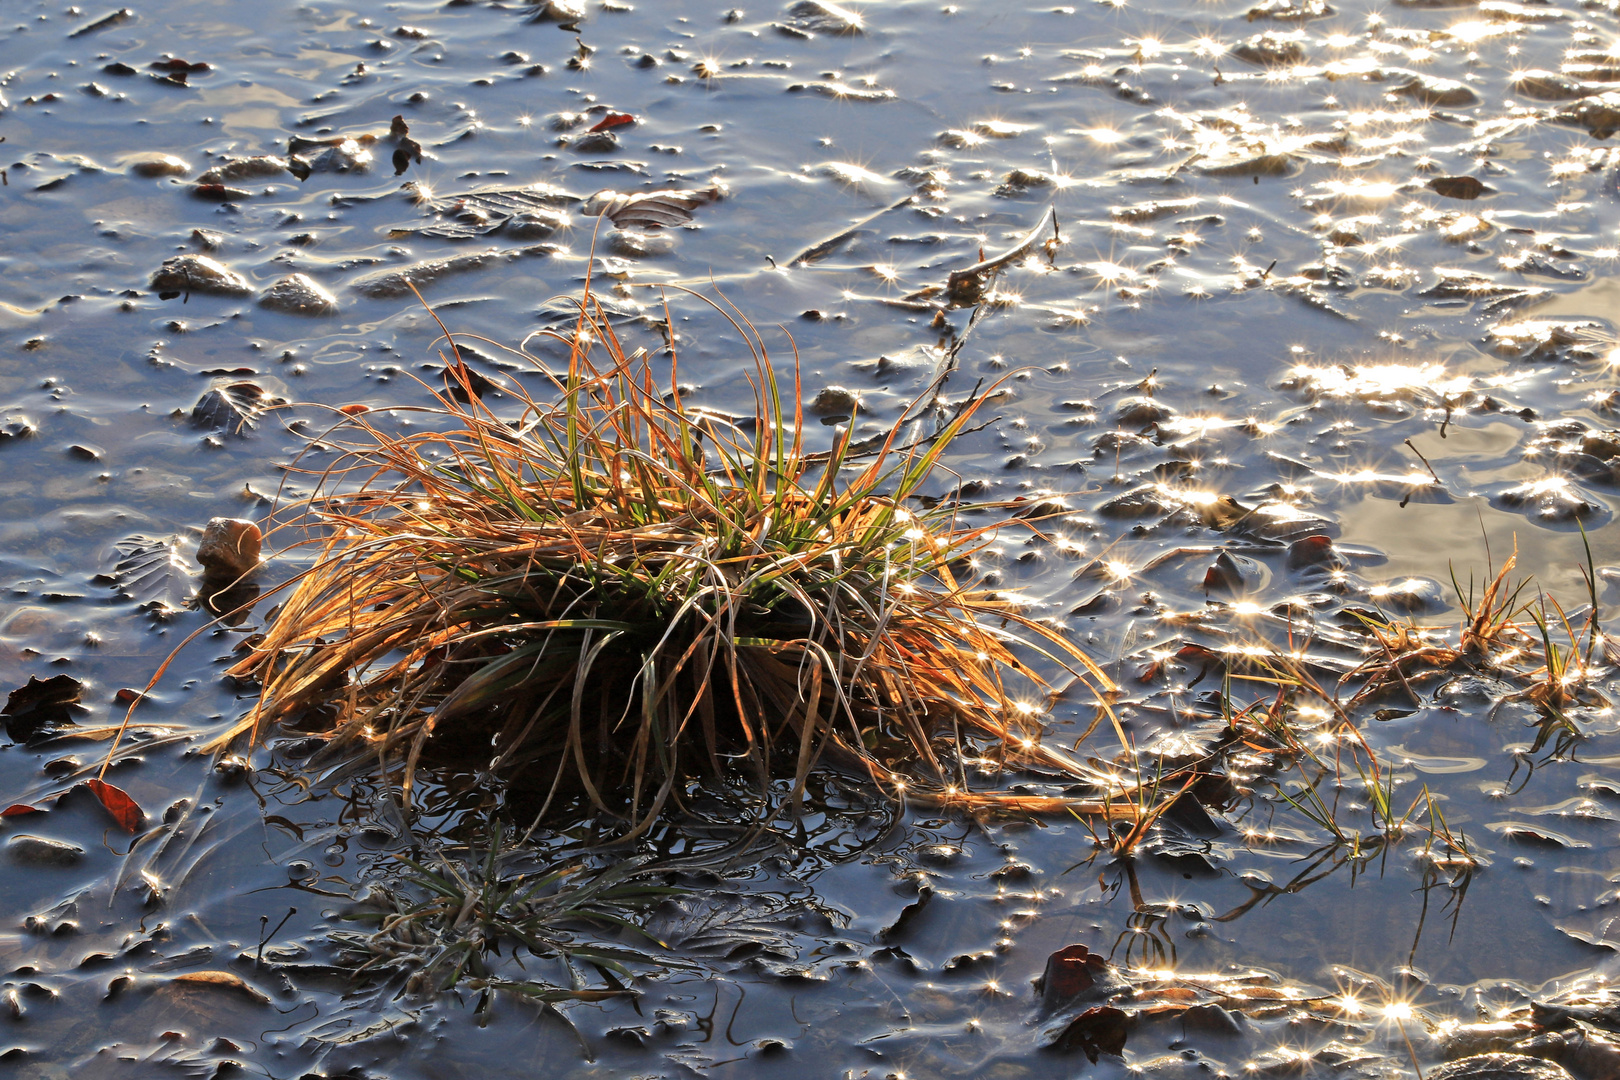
point(229, 548)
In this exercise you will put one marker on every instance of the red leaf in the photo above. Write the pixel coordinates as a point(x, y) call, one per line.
point(123, 809)
point(612, 120)
point(19, 809)
point(354, 410)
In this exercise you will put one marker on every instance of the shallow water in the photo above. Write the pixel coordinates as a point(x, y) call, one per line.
point(1257, 248)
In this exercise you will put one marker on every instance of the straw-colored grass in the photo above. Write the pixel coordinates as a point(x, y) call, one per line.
point(608, 592)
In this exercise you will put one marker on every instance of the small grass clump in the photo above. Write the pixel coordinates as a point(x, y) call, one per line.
point(610, 591)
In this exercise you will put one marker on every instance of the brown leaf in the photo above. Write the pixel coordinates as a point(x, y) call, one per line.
point(123, 809)
point(219, 980)
point(1457, 187)
point(18, 809)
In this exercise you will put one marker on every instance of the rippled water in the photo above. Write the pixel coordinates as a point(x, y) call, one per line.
point(1269, 284)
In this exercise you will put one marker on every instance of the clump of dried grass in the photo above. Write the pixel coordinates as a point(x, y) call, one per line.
point(612, 591)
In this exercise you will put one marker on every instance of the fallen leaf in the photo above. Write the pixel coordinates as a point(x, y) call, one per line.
point(234, 408)
point(220, 980)
point(123, 809)
point(611, 121)
point(19, 809)
point(150, 570)
point(354, 410)
point(651, 209)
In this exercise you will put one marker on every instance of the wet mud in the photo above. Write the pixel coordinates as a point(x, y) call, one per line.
point(1306, 314)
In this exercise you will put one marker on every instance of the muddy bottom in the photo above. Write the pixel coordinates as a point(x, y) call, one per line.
point(1307, 326)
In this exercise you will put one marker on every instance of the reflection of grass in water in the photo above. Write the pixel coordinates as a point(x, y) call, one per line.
point(614, 590)
point(439, 926)
point(1305, 739)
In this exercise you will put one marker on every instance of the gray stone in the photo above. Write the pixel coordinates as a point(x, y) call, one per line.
point(560, 11)
point(1467, 1040)
point(249, 168)
point(1499, 1067)
point(1435, 91)
point(229, 548)
point(155, 165)
point(391, 284)
point(298, 294)
point(835, 401)
point(40, 851)
point(635, 243)
point(1548, 86)
point(593, 142)
point(199, 274)
point(347, 156)
point(532, 225)
point(1140, 410)
point(815, 17)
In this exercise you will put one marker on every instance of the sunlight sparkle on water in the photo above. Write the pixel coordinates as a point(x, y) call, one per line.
point(1476, 30)
point(1359, 190)
point(1379, 380)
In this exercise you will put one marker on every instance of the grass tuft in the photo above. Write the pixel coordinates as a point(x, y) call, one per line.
point(608, 591)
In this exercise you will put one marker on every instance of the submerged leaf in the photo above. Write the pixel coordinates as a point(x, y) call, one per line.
point(150, 570)
point(118, 803)
point(234, 408)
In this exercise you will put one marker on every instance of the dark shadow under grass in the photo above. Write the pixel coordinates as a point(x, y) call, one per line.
point(611, 591)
